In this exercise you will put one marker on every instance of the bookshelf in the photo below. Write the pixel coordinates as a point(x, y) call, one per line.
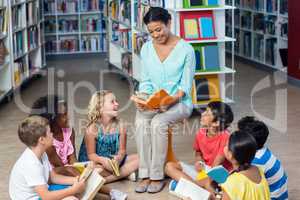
point(5, 61)
point(260, 28)
point(74, 26)
point(21, 32)
point(127, 34)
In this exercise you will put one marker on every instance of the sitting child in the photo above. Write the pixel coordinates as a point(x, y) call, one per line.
point(246, 181)
point(32, 172)
point(265, 159)
point(208, 145)
point(105, 138)
point(62, 152)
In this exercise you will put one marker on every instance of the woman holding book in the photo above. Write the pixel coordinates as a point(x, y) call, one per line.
point(168, 63)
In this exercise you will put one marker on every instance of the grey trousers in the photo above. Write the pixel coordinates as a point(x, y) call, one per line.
point(152, 138)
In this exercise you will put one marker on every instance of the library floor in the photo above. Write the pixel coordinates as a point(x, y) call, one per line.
point(80, 72)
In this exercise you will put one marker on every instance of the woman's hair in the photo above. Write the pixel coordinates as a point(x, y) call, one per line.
point(47, 107)
point(95, 106)
point(157, 14)
point(243, 148)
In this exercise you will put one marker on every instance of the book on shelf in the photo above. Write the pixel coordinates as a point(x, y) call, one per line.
point(252, 4)
point(49, 6)
point(67, 6)
point(271, 6)
point(258, 45)
point(270, 25)
point(121, 11)
point(246, 43)
point(246, 19)
point(91, 5)
point(197, 25)
point(32, 13)
point(50, 25)
point(3, 21)
point(271, 51)
point(67, 25)
point(20, 71)
point(126, 62)
point(18, 16)
point(140, 10)
point(19, 44)
point(91, 24)
point(68, 44)
point(138, 41)
point(185, 189)
point(51, 45)
point(200, 3)
point(206, 88)
point(283, 28)
point(207, 57)
point(32, 37)
point(90, 43)
point(154, 101)
point(283, 7)
point(3, 52)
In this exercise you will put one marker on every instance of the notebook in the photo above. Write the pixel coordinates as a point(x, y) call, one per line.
point(191, 29)
point(206, 27)
point(211, 57)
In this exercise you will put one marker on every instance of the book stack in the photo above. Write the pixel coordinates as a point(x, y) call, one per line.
point(67, 6)
point(68, 44)
point(197, 25)
point(32, 35)
point(66, 25)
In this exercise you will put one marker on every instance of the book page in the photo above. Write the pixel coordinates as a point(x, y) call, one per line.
point(186, 188)
point(93, 185)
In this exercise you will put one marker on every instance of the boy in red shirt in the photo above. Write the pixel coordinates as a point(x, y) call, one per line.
point(209, 143)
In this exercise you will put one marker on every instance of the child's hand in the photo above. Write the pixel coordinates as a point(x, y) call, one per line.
point(78, 186)
point(118, 157)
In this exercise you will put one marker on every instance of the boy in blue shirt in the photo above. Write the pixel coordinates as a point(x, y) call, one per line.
point(264, 158)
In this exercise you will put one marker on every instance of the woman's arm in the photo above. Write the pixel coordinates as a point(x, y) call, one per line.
point(53, 157)
point(90, 143)
point(72, 157)
point(122, 145)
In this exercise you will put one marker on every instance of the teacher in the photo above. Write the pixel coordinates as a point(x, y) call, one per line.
point(168, 62)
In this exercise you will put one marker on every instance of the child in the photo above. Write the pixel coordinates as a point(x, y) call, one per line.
point(265, 159)
point(209, 144)
point(31, 173)
point(105, 137)
point(62, 152)
point(246, 181)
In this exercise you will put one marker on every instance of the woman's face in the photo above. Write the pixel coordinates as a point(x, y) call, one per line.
point(159, 31)
point(62, 119)
point(110, 106)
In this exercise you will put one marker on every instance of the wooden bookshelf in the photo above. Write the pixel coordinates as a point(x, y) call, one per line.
point(261, 29)
point(74, 26)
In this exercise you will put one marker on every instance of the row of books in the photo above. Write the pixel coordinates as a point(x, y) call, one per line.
point(32, 13)
point(19, 43)
point(50, 25)
point(283, 7)
point(20, 71)
point(17, 15)
point(197, 25)
point(271, 6)
point(92, 5)
point(246, 20)
point(67, 6)
point(121, 36)
point(33, 37)
point(207, 57)
point(3, 21)
point(67, 25)
point(92, 23)
point(140, 10)
point(251, 4)
point(138, 40)
point(71, 44)
point(92, 43)
point(120, 10)
point(49, 6)
point(258, 45)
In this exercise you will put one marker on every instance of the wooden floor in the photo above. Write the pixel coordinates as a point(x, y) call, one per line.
point(269, 101)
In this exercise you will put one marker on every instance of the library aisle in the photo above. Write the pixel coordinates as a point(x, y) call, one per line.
point(89, 68)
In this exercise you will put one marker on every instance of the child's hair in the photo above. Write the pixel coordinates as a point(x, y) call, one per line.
point(256, 128)
point(222, 113)
point(243, 148)
point(95, 106)
point(31, 129)
point(157, 14)
point(47, 107)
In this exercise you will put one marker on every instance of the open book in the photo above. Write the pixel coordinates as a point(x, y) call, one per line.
point(217, 173)
point(93, 183)
point(188, 190)
point(155, 101)
point(115, 167)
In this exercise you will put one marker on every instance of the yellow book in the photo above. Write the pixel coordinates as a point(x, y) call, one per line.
point(191, 29)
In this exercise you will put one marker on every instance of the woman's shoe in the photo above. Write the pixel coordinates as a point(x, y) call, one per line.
point(141, 188)
point(155, 188)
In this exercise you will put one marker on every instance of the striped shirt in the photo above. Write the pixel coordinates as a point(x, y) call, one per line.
point(274, 173)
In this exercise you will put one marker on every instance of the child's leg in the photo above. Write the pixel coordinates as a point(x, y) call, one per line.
point(131, 165)
point(174, 170)
point(67, 171)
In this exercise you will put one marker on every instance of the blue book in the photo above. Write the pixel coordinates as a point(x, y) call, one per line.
point(212, 2)
point(218, 174)
point(207, 28)
point(211, 57)
point(198, 60)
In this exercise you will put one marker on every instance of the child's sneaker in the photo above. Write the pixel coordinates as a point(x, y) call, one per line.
point(172, 185)
point(117, 195)
point(132, 177)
